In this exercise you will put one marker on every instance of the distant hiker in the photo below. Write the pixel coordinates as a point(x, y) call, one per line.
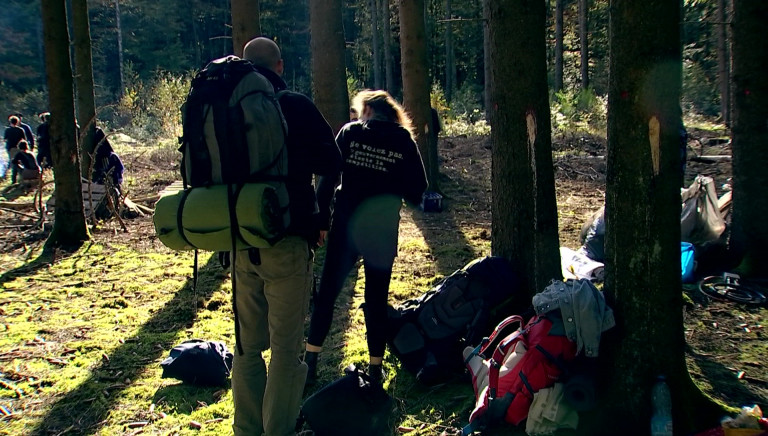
point(13, 135)
point(44, 158)
point(27, 131)
point(106, 162)
point(274, 284)
point(25, 162)
point(382, 166)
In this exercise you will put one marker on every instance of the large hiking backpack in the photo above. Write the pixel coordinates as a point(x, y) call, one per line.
point(530, 359)
point(234, 164)
point(507, 373)
point(428, 333)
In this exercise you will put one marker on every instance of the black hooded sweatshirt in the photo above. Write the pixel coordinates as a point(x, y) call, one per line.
point(311, 150)
point(380, 158)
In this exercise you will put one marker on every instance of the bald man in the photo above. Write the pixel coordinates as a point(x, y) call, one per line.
point(273, 288)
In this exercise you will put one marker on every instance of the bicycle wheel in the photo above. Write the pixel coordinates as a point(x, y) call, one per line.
point(716, 287)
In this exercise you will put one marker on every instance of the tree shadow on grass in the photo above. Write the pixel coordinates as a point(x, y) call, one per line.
point(725, 382)
point(43, 260)
point(83, 410)
point(329, 365)
point(465, 203)
point(185, 398)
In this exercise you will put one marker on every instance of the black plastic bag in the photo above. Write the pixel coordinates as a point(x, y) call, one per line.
point(199, 362)
point(350, 406)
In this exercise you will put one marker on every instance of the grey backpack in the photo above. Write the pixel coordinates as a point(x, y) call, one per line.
point(234, 165)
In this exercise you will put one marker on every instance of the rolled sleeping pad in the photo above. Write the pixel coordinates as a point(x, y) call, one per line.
point(198, 218)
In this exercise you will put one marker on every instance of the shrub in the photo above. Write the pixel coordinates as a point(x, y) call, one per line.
point(580, 110)
point(151, 111)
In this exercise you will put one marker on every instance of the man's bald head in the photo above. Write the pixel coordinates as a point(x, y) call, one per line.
point(263, 52)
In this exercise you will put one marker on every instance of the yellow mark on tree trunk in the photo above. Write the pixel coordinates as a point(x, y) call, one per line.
point(653, 137)
point(530, 121)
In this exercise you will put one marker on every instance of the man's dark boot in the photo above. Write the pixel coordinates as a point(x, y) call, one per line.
point(310, 357)
point(376, 372)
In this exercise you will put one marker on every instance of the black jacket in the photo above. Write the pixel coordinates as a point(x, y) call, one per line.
point(311, 150)
point(28, 134)
point(12, 136)
point(380, 158)
point(25, 160)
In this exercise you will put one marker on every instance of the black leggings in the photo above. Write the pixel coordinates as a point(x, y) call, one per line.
point(375, 239)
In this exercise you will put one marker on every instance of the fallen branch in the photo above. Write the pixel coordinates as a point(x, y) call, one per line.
point(34, 217)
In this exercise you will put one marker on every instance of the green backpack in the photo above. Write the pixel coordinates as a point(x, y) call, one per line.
point(234, 164)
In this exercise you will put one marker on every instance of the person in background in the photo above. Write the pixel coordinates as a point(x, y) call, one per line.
point(44, 158)
point(273, 285)
point(27, 131)
point(13, 135)
point(25, 161)
point(106, 162)
point(382, 167)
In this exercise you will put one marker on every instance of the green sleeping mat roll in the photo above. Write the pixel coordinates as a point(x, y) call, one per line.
point(199, 218)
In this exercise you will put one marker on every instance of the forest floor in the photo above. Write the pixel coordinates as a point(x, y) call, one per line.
point(84, 333)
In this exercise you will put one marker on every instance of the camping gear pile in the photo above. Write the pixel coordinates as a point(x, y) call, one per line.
point(541, 373)
point(702, 232)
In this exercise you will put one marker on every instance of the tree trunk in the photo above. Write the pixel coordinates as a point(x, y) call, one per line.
point(524, 209)
point(375, 40)
point(329, 76)
point(413, 51)
point(245, 23)
point(69, 229)
point(389, 63)
point(584, 39)
point(723, 63)
point(642, 241)
point(450, 66)
point(86, 107)
point(119, 32)
point(559, 6)
point(487, 58)
point(749, 237)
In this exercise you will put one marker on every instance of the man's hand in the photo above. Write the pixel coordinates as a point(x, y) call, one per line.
point(321, 237)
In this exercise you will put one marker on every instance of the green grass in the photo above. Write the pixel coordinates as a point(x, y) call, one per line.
point(82, 335)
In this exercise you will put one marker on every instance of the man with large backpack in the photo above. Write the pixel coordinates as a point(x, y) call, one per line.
point(273, 285)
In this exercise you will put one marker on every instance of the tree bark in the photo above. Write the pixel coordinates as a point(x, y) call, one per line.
point(487, 58)
point(413, 50)
point(642, 242)
point(559, 6)
point(749, 237)
point(524, 209)
point(69, 229)
point(723, 63)
point(245, 23)
point(119, 32)
point(329, 77)
point(389, 68)
point(450, 66)
point(584, 42)
point(86, 106)
point(376, 42)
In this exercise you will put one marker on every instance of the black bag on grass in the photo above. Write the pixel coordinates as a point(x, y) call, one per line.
point(350, 406)
point(428, 333)
point(199, 362)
